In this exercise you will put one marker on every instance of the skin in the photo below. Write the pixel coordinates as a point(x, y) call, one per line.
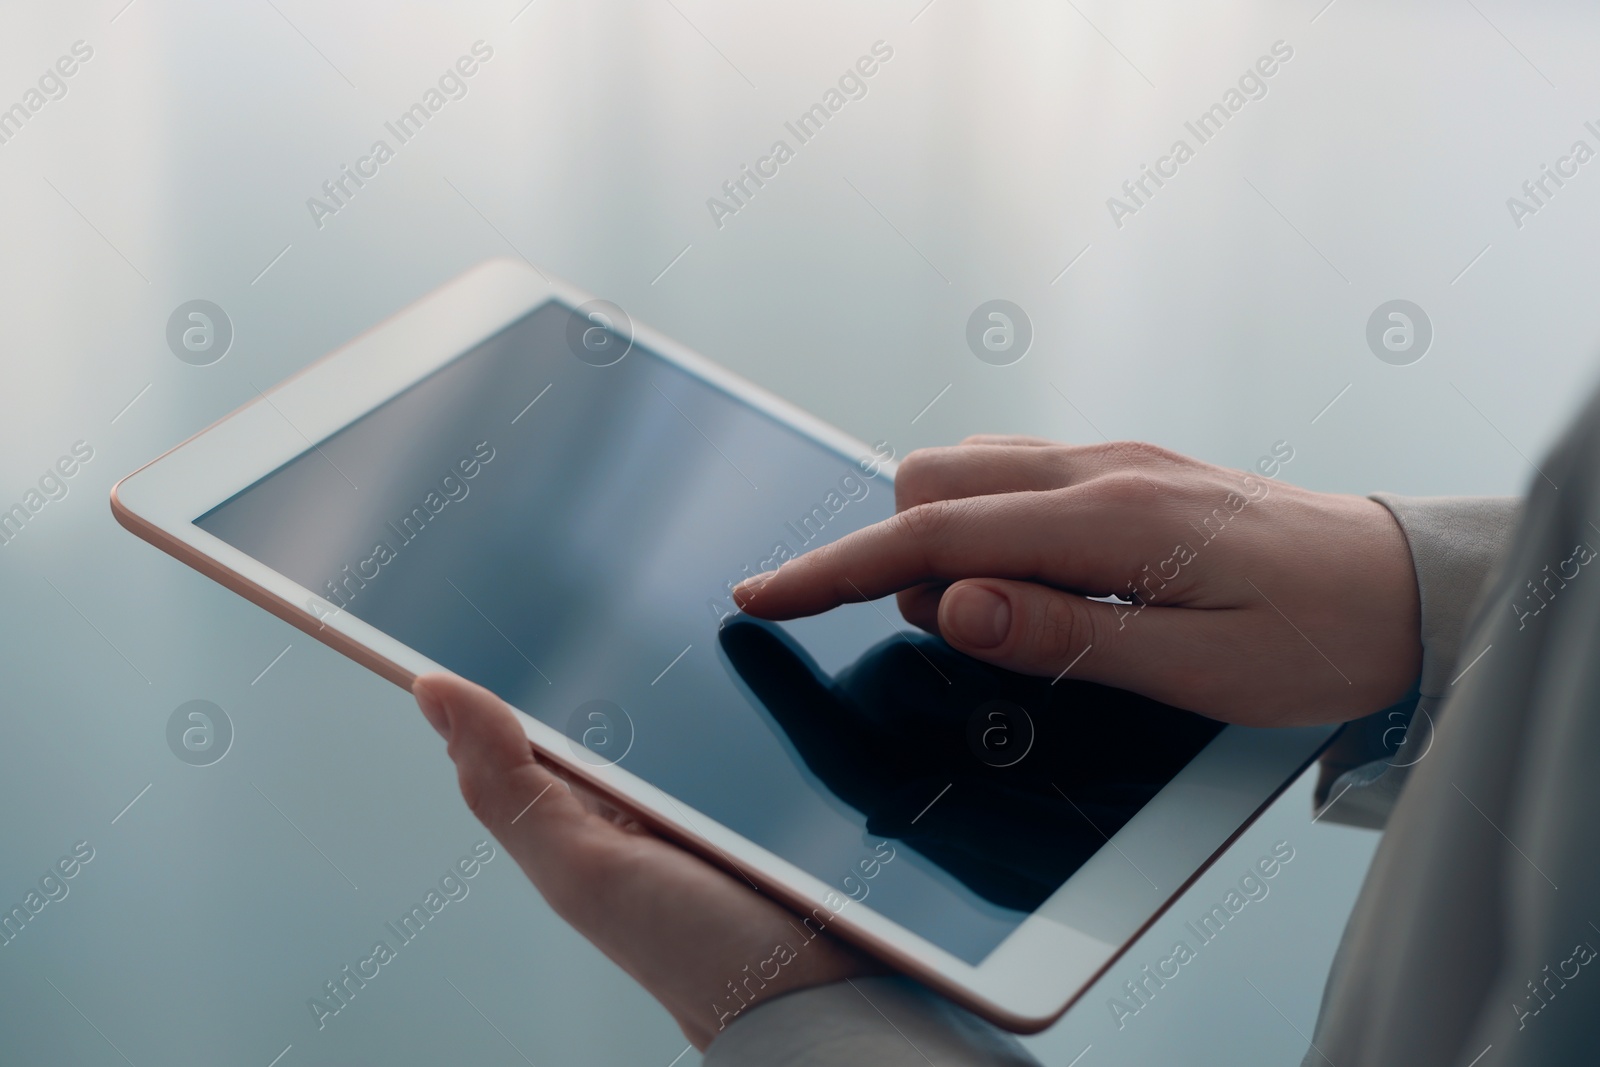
point(1301, 607)
point(681, 927)
point(1292, 607)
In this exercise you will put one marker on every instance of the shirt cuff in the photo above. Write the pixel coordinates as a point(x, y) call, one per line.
point(1455, 545)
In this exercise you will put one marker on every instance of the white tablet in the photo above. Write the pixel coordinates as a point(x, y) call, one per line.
point(513, 481)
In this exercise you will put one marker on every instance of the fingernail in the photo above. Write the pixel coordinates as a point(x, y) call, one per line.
point(433, 711)
point(748, 588)
point(976, 616)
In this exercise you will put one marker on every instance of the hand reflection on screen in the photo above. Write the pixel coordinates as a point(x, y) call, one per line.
point(1007, 782)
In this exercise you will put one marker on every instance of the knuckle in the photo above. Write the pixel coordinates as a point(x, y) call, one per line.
point(1136, 454)
point(924, 522)
point(1058, 627)
point(919, 459)
point(1131, 489)
point(912, 478)
point(1063, 458)
point(1144, 450)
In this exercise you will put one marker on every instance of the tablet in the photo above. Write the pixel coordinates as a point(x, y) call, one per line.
point(514, 481)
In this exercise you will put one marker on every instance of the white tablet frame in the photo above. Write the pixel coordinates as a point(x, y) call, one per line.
point(1027, 982)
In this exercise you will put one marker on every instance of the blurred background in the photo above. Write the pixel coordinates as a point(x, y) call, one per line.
point(1219, 313)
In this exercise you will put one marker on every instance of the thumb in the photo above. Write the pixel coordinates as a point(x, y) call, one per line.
point(1034, 629)
point(525, 806)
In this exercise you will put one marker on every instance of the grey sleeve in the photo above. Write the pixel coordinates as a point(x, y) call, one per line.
point(1472, 938)
point(887, 1022)
point(1455, 543)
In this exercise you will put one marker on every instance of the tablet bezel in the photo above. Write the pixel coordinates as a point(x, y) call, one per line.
point(1024, 984)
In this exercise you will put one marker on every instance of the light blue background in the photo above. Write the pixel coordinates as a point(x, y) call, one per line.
point(1223, 317)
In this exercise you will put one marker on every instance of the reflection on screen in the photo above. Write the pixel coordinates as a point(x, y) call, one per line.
point(568, 535)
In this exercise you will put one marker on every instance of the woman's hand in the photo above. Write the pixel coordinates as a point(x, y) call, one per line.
point(1253, 601)
point(689, 933)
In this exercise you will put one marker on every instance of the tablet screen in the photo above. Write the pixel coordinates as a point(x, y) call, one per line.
point(564, 526)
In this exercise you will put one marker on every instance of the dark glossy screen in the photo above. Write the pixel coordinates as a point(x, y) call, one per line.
point(566, 534)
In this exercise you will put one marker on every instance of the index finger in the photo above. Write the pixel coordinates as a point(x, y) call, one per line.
point(1058, 537)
